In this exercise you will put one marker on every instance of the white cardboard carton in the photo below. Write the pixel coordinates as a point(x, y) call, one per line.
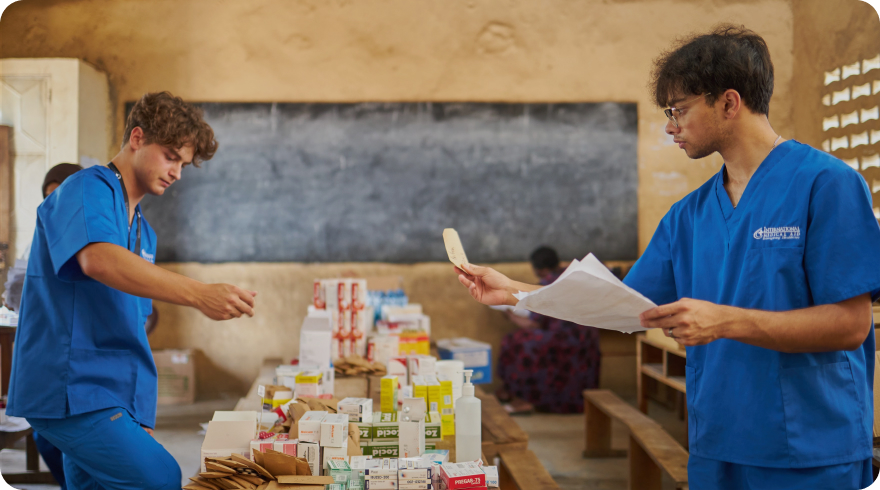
point(337, 453)
point(229, 433)
point(334, 430)
point(412, 428)
point(311, 451)
point(310, 426)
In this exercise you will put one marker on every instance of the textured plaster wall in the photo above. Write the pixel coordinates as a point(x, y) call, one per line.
point(827, 35)
point(394, 50)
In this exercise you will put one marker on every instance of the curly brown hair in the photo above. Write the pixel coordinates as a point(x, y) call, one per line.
point(169, 121)
point(729, 57)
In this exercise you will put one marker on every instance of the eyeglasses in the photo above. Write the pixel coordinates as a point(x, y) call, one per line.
point(671, 112)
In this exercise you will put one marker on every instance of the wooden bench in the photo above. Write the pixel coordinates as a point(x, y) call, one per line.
point(500, 431)
point(520, 469)
point(652, 451)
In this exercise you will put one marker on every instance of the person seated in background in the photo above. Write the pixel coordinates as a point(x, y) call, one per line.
point(547, 363)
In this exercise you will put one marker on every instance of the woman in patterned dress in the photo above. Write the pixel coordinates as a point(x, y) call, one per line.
point(548, 362)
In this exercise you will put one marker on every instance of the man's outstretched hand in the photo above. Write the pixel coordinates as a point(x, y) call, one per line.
point(486, 285)
point(225, 301)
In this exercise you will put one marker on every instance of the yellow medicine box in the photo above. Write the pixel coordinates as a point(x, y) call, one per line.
point(445, 405)
point(388, 394)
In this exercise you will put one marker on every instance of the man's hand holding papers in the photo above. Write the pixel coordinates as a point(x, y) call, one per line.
point(587, 293)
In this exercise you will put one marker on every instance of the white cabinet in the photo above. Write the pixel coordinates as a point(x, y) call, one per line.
point(60, 111)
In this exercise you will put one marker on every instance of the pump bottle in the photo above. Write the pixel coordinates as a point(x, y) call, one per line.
point(468, 429)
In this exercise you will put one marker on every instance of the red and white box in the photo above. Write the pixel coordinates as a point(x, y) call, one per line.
point(462, 475)
point(284, 445)
point(262, 445)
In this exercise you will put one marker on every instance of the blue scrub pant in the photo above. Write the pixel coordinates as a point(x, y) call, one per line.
point(108, 450)
point(710, 474)
point(52, 456)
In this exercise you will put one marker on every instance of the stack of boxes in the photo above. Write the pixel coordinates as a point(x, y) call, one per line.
point(414, 474)
point(345, 300)
point(430, 471)
point(381, 437)
point(381, 474)
point(334, 438)
point(309, 433)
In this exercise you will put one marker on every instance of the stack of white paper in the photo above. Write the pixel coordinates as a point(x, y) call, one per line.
point(588, 293)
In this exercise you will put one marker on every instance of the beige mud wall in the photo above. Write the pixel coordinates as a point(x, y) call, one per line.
point(390, 50)
point(827, 34)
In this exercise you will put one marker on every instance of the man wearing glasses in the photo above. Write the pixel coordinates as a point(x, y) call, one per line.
point(766, 273)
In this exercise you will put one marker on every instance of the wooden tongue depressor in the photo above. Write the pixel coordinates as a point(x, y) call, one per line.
point(454, 249)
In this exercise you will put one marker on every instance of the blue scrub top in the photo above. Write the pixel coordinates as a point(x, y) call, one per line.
point(80, 345)
point(803, 234)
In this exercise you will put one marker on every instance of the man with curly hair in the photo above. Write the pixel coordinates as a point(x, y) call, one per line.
point(83, 374)
point(766, 273)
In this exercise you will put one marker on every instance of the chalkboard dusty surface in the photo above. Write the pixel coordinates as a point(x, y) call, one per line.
point(377, 182)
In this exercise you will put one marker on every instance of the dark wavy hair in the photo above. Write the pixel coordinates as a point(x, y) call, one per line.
point(544, 257)
point(169, 121)
point(729, 57)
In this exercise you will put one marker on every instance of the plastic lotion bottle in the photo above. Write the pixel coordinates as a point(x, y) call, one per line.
point(468, 429)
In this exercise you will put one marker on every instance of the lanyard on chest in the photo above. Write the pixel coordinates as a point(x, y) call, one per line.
point(137, 245)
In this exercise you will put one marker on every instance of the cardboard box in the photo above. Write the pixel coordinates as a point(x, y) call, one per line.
point(334, 430)
point(285, 375)
point(397, 366)
point(389, 394)
point(358, 465)
point(475, 355)
point(276, 395)
point(229, 433)
point(357, 409)
point(421, 365)
point(309, 384)
point(381, 469)
point(315, 340)
point(385, 427)
point(340, 471)
point(433, 427)
point(380, 484)
point(310, 426)
point(334, 453)
point(177, 376)
point(434, 393)
point(491, 476)
point(311, 451)
point(445, 405)
point(351, 387)
point(366, 431)
point(462, 475)
point(261, 445)
point(285, 445)
point(383, 449)
point(412, 428)
point(374, 384)
point(381, 348)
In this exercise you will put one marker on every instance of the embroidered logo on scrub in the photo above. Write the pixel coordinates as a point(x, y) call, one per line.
point(113, 418)
point(778, 233)
point(149, 257)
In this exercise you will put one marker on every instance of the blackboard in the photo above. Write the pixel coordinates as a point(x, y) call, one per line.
point(367, 182)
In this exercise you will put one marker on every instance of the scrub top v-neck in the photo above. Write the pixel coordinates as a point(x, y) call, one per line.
point(81, 346)
point(802, 234)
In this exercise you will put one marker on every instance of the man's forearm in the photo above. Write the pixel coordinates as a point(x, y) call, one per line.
point(120, 269)
point(839, 326)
